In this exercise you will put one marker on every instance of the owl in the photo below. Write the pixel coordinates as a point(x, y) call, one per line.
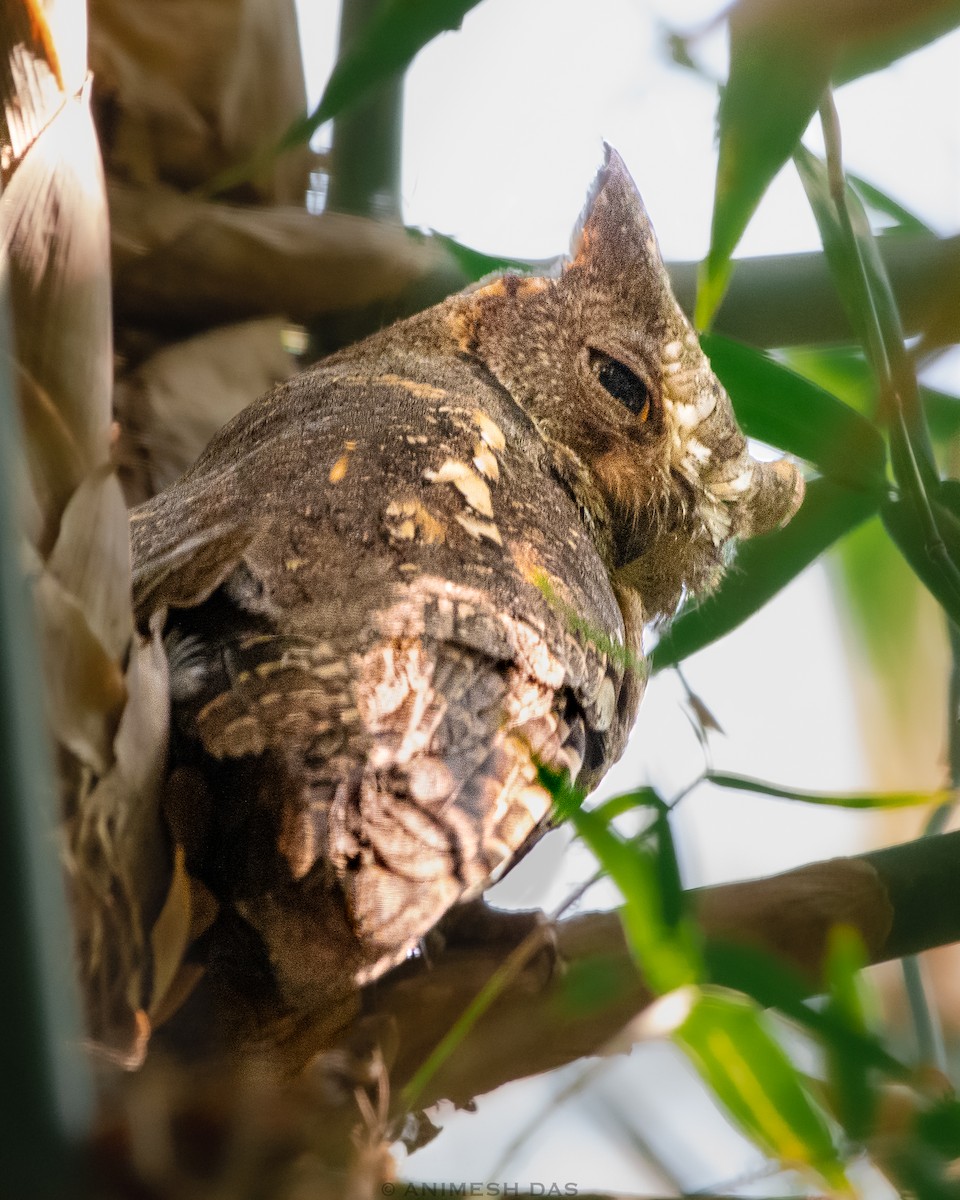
point(395, 584)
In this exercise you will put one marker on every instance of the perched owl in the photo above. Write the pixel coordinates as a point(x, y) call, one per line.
point(395, 583)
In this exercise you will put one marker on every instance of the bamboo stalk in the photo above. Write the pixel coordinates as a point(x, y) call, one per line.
point(253, 262)
point(365, 158)
point(45, 1103)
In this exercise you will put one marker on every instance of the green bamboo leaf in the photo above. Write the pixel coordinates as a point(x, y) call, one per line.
point(664, 944)
point(764, 565)
point(667, 955)
point(924, 1161)
point(843, 253)
point(590, 633)
point(626, 802)
point(475, 264)
point(939, 1127)
point(904, 221)
point(669, 883)
point(864, 287)
point(903, 28)
point(921, 1172)
point(775, 984)
point(885, 604)
point(882, 800)
point(934, 555)
point(387, 45)
point(781, 61)
point(589, 987)
point(392, 38)
point(783, 409)
point(843, 371)
point(854, 1097)
point(727, 1039)
point(948, 496)
point(774, 85)
point(943, 413)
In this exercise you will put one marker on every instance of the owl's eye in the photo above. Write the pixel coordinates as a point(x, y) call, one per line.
point(622, 383)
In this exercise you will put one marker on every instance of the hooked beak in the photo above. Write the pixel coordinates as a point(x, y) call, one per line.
point(758, 496)
point(778, 493)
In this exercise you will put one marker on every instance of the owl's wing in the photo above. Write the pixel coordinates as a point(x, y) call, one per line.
point(368, 792)
point(451, 794)
point(364, 663)
point(395, 789)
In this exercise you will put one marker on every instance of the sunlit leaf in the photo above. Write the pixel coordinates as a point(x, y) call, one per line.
point(764, 565)
point(747, 1070)
point(53, 458)
point(780, 407)
point(55, 238)
point(91, 559)
point(743, 783)
point(854, 1097)
point(171, 930)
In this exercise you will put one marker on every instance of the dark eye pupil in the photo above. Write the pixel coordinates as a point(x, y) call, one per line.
point(621, 383)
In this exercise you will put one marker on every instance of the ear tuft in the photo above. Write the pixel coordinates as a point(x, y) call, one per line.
point(614, 229)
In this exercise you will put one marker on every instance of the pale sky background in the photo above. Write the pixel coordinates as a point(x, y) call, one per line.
point(504, 123)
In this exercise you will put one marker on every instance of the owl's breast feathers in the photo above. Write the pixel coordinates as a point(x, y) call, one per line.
point(370, 577)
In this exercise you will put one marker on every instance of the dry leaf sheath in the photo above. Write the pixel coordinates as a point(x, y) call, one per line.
point(365, 662)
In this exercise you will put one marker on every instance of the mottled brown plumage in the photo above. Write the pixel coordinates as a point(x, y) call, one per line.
point(368, 578)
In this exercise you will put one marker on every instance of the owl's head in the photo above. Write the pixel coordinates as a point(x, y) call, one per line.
point(609, 369)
